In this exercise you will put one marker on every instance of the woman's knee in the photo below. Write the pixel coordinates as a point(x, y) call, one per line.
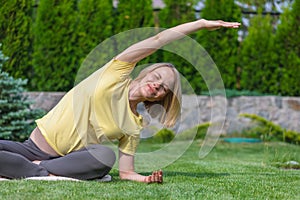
point(3, 144)
point(103, 154)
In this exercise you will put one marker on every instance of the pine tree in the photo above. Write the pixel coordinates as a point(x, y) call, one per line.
point(287, 47)
point(16, 119)
point(222, 45)
point(56, 58)
point(16, 36)
point(259, 73)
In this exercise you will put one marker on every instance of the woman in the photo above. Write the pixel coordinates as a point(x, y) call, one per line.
point(66, 141)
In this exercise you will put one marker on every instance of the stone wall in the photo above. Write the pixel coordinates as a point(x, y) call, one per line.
point(284, 111)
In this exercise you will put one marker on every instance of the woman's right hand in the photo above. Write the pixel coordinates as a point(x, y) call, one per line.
point(155, 177)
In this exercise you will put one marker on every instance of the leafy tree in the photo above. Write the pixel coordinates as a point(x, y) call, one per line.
point(222, 45)
point(16, 36)
point(259, 73)
point(287, 46)
point(56, 58)
point(16, 120)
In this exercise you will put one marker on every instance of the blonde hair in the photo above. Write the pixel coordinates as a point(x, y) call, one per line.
point(171, 102)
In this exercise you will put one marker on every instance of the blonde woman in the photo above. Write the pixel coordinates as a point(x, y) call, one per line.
point(67, 140)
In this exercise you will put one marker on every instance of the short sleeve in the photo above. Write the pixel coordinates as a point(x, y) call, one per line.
point(128, 144)
point(120, 69)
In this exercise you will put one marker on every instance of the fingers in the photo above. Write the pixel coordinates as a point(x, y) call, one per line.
point(229, 24)
point(155, 177)
point(214, 25)
point(160, 176)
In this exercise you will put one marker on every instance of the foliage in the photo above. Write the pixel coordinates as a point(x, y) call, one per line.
point(55, 48)
point(259, 72)
point(162, 136)
point(175, 13)
point(268, 131)
point(16, 36)
point(222, 45)
point(195, 133)
point(287, 46)
point(16, 121)
point(233, 93)
point(47, 41)
point(95, 24)
point(133, 14)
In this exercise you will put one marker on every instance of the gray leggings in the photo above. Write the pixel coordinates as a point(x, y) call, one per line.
point(92, 162)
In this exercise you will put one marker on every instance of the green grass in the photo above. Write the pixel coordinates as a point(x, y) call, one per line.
point(230, 171)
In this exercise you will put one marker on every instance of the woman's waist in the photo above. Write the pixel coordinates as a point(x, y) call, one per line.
point(40, 141)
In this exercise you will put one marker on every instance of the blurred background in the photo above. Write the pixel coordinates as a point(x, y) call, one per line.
point(46, 41)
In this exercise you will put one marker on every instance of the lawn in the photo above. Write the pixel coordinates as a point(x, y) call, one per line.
point(230, 171)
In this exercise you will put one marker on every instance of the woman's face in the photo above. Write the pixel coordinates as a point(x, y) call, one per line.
point(157, 83)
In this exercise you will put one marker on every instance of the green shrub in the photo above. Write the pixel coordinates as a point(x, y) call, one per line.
point(269, 131)
point(291, 137)
point(197, 132)
point(233, 93)
point(162, 136)
point(16, 120)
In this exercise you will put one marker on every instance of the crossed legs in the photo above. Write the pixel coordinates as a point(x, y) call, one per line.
point(16, 158)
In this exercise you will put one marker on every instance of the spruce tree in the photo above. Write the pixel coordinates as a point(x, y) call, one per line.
point(56, 57)
point(16, 120)
point(287, 47)
point(259, 73)
point(16, 36)
point(222, 45)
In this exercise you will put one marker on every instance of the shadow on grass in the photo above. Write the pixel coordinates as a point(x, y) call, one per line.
point(187, 174)
point(193, 174)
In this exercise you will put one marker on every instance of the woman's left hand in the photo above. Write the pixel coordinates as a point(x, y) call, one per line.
point(155, 177)
point(213, 25)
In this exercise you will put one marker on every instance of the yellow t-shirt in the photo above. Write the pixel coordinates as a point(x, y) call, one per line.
point(94, 110)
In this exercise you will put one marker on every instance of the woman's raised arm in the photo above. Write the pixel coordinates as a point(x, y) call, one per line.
point(142, 49)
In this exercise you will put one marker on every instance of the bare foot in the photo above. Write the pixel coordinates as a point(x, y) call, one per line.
point(36, 162)
point(51, 175)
